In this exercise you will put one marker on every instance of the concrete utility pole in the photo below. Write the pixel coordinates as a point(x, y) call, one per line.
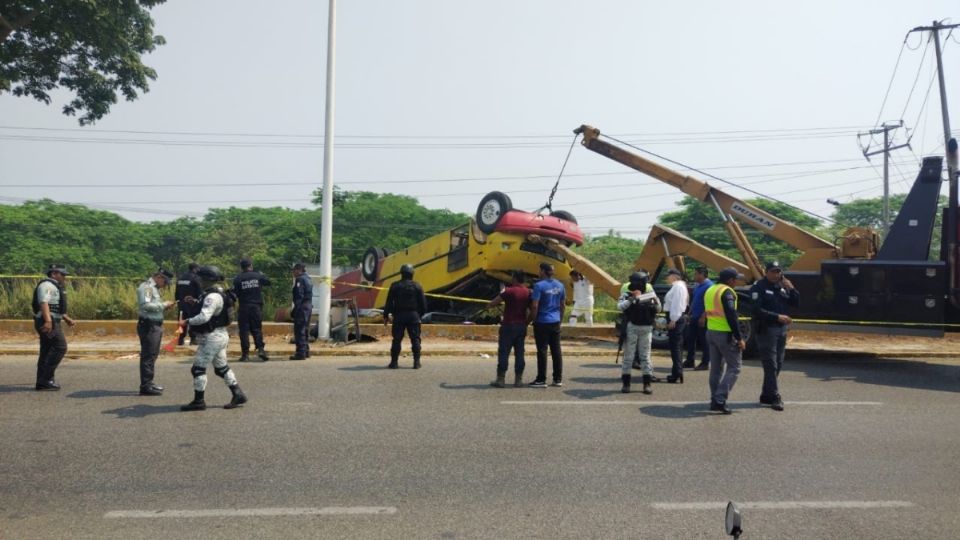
point(326, 207)
point(952, 259)
point(885, 129)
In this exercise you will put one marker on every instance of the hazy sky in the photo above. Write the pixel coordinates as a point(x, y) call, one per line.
point(446, 100)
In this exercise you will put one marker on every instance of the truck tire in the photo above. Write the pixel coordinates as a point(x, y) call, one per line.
point(370, 267)
point(492, 206)
point(564, 215)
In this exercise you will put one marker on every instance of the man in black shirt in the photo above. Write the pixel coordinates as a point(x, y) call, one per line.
point(771, 297)
point(302, 310)
point(188, 294)
point(407, 303)
point(248, 286)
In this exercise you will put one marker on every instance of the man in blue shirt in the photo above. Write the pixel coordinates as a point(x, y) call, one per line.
point(546, 310)
point(696, 334)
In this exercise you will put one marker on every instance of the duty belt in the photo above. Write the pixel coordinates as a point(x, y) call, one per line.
point(149, 322)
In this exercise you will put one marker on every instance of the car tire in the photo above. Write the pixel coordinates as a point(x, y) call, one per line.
point(564, 215)
point(491, 208)
point(370, 266)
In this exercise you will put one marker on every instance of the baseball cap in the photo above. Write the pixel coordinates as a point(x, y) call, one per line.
point(57, 268)
point(729, 273)
point(674, 272)
point(773, 265)
point(165, 273)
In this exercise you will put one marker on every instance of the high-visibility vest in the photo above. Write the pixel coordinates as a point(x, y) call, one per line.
point(716, 320)
point(626, 287)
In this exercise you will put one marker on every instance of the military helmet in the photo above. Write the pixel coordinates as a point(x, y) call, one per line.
point(209, 273)
point(406, 270)
point(639, 276)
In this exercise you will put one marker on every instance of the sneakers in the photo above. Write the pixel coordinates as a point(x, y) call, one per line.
point(538, 384)
point(720, 407)
point(556, 384)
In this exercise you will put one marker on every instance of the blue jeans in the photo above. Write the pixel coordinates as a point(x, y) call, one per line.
point(511, 337)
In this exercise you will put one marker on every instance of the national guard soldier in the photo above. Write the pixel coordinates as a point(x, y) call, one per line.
point(49, 309)
point(211, 328)
point(771, 296)
point(723, 337)
point(640, 305)
point(248, 286)
point(150, 308)
point(407, 303)
point(187, 295)
point(302, 310)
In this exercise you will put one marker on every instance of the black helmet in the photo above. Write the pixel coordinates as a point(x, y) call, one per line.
point(406, 270)
point(209, 273)
point(639, 276)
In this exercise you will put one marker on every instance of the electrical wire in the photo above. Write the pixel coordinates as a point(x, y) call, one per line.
point(890, 84)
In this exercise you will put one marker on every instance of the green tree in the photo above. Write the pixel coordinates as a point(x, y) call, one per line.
point(90, 47)
point(613, 253)
point(701, 222)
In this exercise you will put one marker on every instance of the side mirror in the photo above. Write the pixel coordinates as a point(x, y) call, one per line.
point(733, 520)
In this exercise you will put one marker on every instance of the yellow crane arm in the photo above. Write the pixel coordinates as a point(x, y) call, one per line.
point(581, 264)
point(814, 248)
point(667, 246)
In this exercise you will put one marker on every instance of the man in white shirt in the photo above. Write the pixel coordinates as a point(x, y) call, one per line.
point(582, 299)
point(675, 305)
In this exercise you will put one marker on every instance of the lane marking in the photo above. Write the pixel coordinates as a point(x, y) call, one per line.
point(253, 512)
point(785, 505)
point(704, 403)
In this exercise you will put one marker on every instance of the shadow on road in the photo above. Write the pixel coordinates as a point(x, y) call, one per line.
point(587, 393)
point(691, 410)
point(363, 368)
point(611, 365)
point(485, 386)
point(140, 411)
point(883, 372)
point(11, 388)
point(101, 393)
point(597, 380)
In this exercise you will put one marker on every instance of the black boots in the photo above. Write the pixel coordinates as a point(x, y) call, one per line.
point(262, 354)
point(626, 383)
point(416, 363)
point(393, 364)
point(647, 379)
point(198, 404)
point(501, 381)
point(675, 379)
point(239, 398)
point(244, 357)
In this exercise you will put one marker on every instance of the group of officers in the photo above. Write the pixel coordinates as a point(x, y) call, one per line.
point(204, 314)
point(710, 321)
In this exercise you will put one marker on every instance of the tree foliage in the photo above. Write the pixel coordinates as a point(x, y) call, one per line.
point(701, 222)
point(91, 47)
point(613, 253)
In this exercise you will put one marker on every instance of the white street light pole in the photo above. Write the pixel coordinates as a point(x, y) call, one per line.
point(326, 208)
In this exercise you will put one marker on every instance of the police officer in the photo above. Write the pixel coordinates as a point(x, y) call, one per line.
point(771, 296)
point(407, 303)
point(210, 326)
point(150, 308)
point(302, 310)
point(248, 286)
point(188, 294)
point(723, 337)
point(49, 309)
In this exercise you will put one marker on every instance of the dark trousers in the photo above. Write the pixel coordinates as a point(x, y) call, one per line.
point(184, 315)
point(52, 348)
point(409, 322)
point(250, 321)
point(151, 334)
point(301, 328)
point(675, 337)
point(772, 346)
point(511, 337)
point(697, 337)
point(548, 335)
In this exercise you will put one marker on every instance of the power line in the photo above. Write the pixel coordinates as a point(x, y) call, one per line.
point(890, 84)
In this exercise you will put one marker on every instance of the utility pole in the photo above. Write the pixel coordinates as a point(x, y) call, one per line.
point(952, 259)
point(326, 207)
point(885, 129)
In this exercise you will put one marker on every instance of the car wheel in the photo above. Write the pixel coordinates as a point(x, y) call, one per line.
point(564, 215)
point(660, 339)
point(491, 208)
point(371, 263)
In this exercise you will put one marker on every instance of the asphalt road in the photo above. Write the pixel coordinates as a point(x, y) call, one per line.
point(341, 448)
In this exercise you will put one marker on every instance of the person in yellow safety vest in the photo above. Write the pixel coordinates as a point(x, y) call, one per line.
point(723, 337)
point(624, 289)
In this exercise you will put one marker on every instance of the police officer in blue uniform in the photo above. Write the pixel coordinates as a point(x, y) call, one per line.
point(49, 310)
point(248, 286)
point(407, 303)
point(302, 310)
point(771, 297)
point(187, 295)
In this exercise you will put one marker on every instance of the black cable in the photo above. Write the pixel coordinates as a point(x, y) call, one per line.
point(890, 84)
point(549, 205)
point(757, 193)
point(923, 57)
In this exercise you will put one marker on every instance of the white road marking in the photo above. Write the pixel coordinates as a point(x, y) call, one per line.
point(784, 505)
point(253, 512)
point(683, 403)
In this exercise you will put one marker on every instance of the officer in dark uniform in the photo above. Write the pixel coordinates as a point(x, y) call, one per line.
point(187, 294)
point(49, 310)
point(771, 297)
point(302, 310)
point(407, 303)
point(248, 287)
